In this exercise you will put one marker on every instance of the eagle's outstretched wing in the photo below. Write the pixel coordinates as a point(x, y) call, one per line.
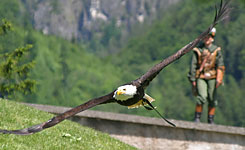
point(59, 118)
point(143, 80)
point(220, 15)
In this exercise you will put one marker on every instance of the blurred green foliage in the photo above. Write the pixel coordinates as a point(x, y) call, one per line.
point(14, 71)
point(68, 75)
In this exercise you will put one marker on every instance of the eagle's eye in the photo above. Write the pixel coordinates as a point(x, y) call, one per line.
point(124, 89)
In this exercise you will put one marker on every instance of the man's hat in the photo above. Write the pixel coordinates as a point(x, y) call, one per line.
point(212, 32)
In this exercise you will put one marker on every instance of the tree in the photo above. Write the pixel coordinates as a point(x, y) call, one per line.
point(14, 70)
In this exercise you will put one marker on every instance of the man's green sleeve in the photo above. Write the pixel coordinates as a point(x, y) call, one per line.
point(193, 68)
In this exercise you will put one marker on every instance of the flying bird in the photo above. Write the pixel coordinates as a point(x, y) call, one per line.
point(130, 94)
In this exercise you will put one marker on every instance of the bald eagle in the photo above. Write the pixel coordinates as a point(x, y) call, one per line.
point(130, 94)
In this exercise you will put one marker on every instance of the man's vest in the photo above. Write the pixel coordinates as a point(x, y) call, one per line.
point(206, 68)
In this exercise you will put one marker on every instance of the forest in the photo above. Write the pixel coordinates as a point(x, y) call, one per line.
point(68, 73)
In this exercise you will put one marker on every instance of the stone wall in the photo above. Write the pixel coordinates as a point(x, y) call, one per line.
point(154, 133)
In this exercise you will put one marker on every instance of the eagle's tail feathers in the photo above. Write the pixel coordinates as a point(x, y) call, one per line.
point(153, 108)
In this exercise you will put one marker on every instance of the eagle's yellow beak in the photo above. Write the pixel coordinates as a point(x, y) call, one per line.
point(120, 92)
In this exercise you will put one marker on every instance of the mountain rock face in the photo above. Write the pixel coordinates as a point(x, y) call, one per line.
point(80, 19)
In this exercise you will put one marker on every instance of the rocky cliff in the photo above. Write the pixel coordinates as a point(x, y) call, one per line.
point(80, 19)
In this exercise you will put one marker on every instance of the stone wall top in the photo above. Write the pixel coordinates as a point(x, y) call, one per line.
point(145, 120)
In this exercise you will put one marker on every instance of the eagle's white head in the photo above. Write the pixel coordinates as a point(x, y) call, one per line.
point(125, 92)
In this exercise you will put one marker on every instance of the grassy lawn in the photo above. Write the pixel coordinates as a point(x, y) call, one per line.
point(64, 136)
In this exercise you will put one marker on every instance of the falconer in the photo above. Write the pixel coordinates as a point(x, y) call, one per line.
point(206, 75)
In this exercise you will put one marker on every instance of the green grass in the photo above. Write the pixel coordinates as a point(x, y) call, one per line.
point(67, 135)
